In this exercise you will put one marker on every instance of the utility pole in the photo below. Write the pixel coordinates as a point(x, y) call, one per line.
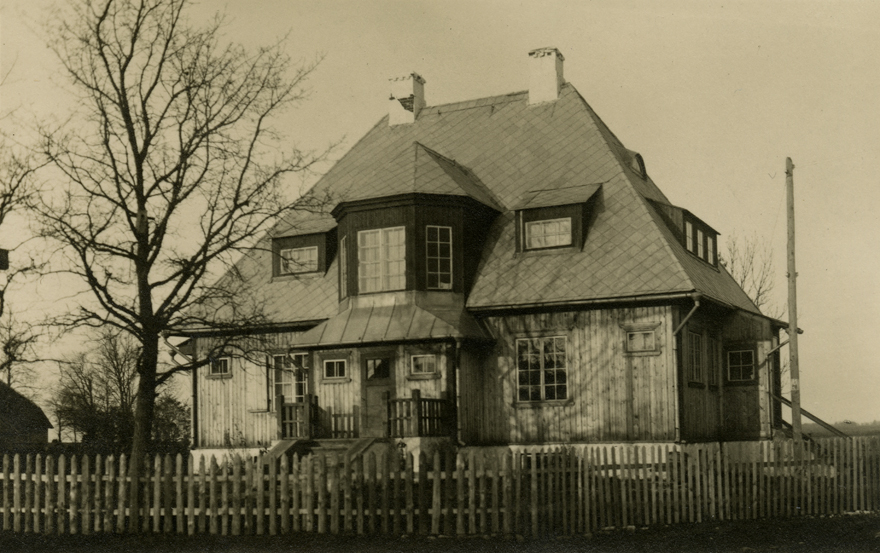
point(792, 308)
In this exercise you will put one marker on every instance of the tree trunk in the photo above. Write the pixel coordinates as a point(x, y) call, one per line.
point(143, 421)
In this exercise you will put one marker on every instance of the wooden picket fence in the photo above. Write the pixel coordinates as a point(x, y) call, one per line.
point(564, 491)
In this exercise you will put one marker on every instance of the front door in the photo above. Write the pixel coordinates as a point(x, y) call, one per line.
point(378, 388)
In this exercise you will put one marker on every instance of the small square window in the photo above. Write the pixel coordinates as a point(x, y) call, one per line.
point(221, 366)
point(741, 365)
point(378, 368)
point(642, 340)
point(335, 368)
point(550, 233)
point(424, 364)
point(299, 260)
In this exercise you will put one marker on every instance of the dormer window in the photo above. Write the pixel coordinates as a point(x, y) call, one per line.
point(304, 254)
point(382, 260)
point(549, 233)
point(299, 260)
point(700, 239)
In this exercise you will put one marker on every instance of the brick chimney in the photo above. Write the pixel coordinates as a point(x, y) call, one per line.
point(407, 99)
point(545, 75)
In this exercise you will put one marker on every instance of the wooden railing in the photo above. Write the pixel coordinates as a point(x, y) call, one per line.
point(297, 420)
point(416, 416)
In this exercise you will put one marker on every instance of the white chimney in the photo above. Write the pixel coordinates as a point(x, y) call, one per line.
point(545, 75)
point(407, 99)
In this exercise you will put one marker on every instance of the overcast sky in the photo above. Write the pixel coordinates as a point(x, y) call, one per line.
point(714, 95)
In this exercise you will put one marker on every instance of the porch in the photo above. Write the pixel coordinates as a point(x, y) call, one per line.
point(410, 417)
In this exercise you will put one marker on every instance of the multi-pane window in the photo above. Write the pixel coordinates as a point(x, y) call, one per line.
point(689, 235)
point(289, 377)
point(740, 365)
point(712, 360)
point(541, 369)
point(382, 259)
point(710, 250)
point(439, 257)
point(299, 260)
point(334, 368)
point(378, 368)
point(695, 356)
point(221, 366)
point(700, 243)
point(640, 340)
point(343, 267)
point(424, 364)
point(548, 233)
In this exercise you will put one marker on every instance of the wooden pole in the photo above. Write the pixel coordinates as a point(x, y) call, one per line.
point(792, 308)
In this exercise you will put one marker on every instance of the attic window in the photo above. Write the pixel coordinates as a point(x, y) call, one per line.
point(549, 233)
point(638, 165)
point(299, 260)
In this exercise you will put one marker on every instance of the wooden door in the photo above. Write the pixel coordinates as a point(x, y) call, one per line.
point(378, 381)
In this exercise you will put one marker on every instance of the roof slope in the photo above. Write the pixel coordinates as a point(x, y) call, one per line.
point(507, 154)
point(18, 412)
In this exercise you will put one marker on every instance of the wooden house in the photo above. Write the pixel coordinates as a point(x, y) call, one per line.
point(23, 425)
point(500, 271)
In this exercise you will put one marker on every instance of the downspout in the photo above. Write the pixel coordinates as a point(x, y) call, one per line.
point(696, 298)
point(678, 356)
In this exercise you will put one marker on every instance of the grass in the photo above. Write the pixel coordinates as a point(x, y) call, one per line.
point(846, 533)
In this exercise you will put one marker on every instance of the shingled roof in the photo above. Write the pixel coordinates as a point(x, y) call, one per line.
point(508, 154)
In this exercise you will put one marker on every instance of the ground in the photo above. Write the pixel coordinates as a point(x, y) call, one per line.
point(846, 533)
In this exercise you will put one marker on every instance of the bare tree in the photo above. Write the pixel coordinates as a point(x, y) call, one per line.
point(17, 344)
point(750, 262)
point(95, 396)
point(171, 168)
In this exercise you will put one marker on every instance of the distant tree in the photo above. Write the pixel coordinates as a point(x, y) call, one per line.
point(750, 262)
point(96, 395)
point(169, 169)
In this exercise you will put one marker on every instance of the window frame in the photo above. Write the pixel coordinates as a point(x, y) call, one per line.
point(713, 350)
point(440, 259)
point(343, 267)
point(543, 385)
point(224, 359)
point(741, 381)
point(284, 269)
point(382, 262)
point(344, 377)
point(300, 378)
point(435, 373)
point(641, 328)
point(529, 225)
point(695, 356)
point(389, 359)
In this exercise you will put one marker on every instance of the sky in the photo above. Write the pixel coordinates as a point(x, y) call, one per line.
point(714, 95)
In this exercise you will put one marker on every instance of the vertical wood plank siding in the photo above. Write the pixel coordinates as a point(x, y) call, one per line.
point(233, 412)
point(611, 395)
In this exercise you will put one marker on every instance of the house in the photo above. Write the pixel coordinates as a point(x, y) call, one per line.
point(493, 271)
point(23, 425)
